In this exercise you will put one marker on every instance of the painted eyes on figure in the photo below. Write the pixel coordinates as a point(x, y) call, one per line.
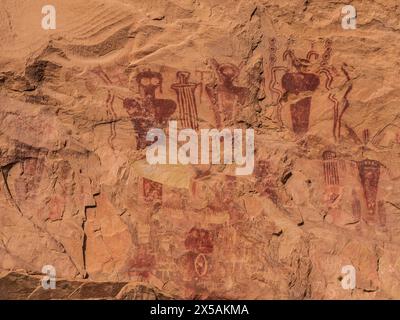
point(229, 71)
point(145, 81)
point(150, 81)
point(155, 81)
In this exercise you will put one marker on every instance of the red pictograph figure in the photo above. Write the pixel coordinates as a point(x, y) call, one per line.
point(300, 112)
point(185, 92)
point(199, 242)
point(273, 83)
point(331, 171)
point(365, 136)
point(356, 205)
point(224, 95)
point(201, 264)
point(302, 76)
point(152, 191)
point(381, 213)
point(345, 104)
point(142, 120)
point(33, 169)
point(202, 78)
point(56, 208)
point(142, 264)
point(296, 79)
point(220, 196)
point(149, 111)
point(369, 172)
point(266, 181)
point(338, 107)
point(27, 183)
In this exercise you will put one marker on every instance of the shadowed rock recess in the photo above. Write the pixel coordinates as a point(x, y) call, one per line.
point(76, 190)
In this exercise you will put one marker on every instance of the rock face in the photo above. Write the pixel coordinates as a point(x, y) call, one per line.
point(78, 193)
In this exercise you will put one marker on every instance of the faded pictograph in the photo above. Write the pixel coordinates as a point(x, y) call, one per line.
point(388, 136)
point(217, 196)
point(266, 183)
point(199, 243)
point(225, 96)
point(152, 191)
point(28, 181)
point(142, 264)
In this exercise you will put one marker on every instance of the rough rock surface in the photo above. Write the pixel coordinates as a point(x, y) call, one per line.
point(77, 193)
